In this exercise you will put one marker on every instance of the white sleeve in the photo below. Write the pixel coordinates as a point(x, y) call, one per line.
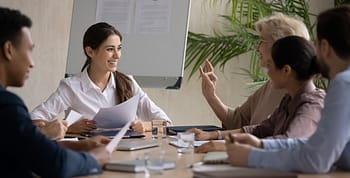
point(147, 110)
point(58, 102)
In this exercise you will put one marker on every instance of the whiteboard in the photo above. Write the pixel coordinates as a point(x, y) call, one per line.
point(154, 59)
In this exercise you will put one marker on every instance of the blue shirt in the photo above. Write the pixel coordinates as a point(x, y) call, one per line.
point(329, 146)
point(24, 151)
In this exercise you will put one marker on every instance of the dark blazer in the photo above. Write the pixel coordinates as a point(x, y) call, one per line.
point(25, 152)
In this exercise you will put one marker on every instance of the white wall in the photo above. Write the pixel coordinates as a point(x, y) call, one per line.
point(50, 33)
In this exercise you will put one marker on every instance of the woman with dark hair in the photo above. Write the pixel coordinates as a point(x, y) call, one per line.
point(291, 68)
point(98, 85)
point(328, 149)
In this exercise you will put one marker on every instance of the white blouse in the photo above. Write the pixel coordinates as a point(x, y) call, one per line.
point(80, 94)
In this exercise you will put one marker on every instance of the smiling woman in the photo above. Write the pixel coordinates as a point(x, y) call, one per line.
point(99, 85)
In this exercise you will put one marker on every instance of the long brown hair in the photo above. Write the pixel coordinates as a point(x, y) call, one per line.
point(94, 36)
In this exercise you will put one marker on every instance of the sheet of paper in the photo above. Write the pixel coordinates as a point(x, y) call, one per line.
point(114, 142)
point(72, 117)
point(118, 13)
point(152, 17)
point(118, 115)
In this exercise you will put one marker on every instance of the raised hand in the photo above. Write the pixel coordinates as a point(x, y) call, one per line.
point(208, 79)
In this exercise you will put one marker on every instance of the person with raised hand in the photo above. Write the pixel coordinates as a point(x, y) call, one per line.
point(266, 98)
point(292, 68)
point(329, 146)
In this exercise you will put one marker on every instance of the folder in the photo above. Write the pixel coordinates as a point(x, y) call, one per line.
point(173, 130)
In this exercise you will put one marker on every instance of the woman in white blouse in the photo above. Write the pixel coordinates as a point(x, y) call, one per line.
point(98, 85)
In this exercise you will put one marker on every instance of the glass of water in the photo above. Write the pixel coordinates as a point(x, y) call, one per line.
point(185, 142)
point(158, 128)
point(154, 162)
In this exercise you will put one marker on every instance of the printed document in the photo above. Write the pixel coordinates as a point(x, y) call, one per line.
point(117, 116)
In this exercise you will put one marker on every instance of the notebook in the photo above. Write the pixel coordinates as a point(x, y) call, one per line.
point(130, 145)
point(215, 157)
point(137, 165)
point(173, 130)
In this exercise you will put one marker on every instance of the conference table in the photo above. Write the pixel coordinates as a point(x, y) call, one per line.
point(183, 163)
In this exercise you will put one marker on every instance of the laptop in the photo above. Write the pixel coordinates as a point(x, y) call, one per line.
point(130, 145)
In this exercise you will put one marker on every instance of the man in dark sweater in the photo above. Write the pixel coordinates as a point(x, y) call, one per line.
point(25, 151)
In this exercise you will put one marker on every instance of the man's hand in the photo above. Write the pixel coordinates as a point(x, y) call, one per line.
point(211, 146)
point(55, 129)
point(238, 147)
point(101, 155)
point(238, 153)
point(94, 142)
point(82, 125)
point(86, 144)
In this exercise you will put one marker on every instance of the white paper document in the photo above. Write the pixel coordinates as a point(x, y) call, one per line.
point(118, 115)
point(112, 145)
point(152, 17)
point(118, 13)
point(73, 117)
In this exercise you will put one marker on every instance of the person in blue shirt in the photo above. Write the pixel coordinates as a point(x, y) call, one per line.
point(25, 151)
point(329, 146)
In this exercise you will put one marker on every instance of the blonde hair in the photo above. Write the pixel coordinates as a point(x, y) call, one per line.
point(279, 25)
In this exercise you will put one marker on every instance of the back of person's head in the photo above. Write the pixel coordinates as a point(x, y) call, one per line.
point(12, 21)
point(333, 25)
point(298, 53)
point(279, 25)
point(95, 35)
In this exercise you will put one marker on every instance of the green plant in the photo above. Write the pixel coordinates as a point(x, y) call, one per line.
point(240, 37)
point(339, 2)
